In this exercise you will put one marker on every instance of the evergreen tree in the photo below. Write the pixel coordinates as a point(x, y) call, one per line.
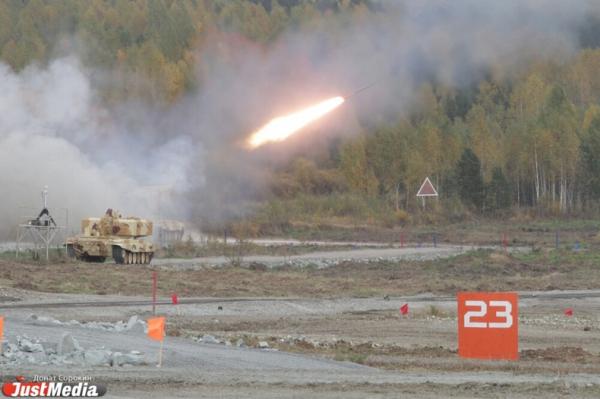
point(470, 180)
point(498, 192)
point(590, 154)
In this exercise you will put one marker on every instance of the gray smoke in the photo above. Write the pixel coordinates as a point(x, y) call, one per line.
point(405, 44)
point(187, 162)
point(55, 132)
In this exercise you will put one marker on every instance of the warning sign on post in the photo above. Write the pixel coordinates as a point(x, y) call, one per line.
point(427, 189)
point(488, 325)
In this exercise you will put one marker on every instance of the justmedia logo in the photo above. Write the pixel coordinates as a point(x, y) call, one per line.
point(21, 388)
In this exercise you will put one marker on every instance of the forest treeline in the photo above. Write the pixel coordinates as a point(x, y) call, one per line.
point(525, 141)
point(151, 46)
point(532, 142)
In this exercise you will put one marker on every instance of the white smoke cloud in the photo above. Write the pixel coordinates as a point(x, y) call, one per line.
point(54, 132)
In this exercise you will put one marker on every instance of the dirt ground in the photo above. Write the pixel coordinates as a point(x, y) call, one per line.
point(345, 314)
point(411, 355)
point(516, 231)
point(476, 270)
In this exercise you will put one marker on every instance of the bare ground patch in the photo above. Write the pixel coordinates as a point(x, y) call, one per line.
point(477, 270)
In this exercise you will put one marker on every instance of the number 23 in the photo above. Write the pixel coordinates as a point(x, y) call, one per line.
point(504, 314)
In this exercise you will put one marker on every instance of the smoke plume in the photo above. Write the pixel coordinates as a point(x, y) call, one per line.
point(187, 162)
point(55, 132)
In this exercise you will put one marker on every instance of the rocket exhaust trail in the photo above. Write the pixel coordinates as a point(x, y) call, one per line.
point(280, 128)
point(361, 90)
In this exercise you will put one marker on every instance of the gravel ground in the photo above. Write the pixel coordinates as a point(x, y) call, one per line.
point(428, 367)
point(326, 258)
point(194, 369)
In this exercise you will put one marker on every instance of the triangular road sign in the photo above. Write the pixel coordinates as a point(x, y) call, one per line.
point(427, 189)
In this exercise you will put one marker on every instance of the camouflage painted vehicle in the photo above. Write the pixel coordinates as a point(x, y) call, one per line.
point(112, 236)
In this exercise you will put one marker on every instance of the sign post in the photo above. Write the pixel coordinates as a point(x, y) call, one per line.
point(1, 333)
point(426, 190)
point(154, 284)
point(488, 325)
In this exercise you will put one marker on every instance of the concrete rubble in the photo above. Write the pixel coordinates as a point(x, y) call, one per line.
point(26, 345)
point(68, 344)
point(134, 324)
point(271, 343)
point(25, 350)
point(209, 339)
point(122, 359)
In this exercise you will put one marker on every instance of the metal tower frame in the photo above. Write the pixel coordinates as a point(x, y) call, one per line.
point(42, 236)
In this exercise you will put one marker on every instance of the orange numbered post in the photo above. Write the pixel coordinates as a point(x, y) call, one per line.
point(488, 325)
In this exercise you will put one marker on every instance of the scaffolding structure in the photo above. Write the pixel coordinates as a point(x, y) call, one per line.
point(42, 238)
point(41, 231)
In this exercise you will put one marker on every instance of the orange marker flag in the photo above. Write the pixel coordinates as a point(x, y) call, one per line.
point(156, 328)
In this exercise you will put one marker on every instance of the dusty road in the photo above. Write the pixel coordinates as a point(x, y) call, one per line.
point(325, 258)
point(342, 342)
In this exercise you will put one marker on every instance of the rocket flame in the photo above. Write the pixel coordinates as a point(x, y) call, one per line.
point(282, 127)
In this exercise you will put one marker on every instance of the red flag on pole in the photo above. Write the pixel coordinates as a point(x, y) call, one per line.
point(404, 309)
point(174, 299)
point(568, 312)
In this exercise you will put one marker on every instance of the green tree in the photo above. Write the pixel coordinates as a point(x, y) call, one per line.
point(590, 159)
point(583, 79)
point(5, 24)
point(561, 146)
point(169, 27)
point(469, 179)
point(355, 167)
point(385, 149)
point(498, 192)
point(524, 156)
point(485, 139)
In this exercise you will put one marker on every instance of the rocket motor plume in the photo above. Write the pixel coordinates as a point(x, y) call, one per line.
point(282, 127)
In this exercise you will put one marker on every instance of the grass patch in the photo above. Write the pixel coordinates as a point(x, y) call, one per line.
point(55, 255)
point(476, 270)
point(359, 358)
point(486, 232)
point(560, 257)
point(435, 311)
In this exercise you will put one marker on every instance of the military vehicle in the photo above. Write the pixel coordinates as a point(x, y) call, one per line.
point(113, 235)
